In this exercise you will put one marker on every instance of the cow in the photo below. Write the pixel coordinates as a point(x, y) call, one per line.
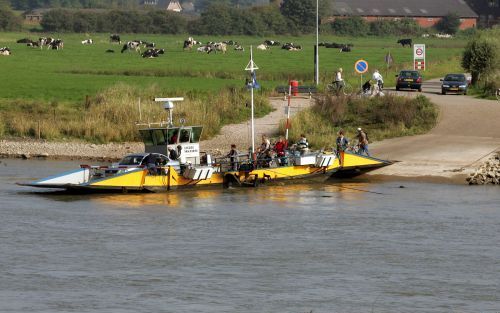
point(190, 42)
point(206, 48)
point(345, 49)
point(230, 42)
point(132, 45)
point(55, 44)
point(87, 42)
point(239, 48)
point(5, 51)
point(153, 53)
point(110, 51)
point(115, 38)
point(290, 46)
point(220, 46)
point(405, 42)
point(148, 44)
point(33, 44)
point(271, 43)
point(262, 47)
point(24, 40)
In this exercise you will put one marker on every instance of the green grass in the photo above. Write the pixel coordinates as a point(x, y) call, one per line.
point(70, 74)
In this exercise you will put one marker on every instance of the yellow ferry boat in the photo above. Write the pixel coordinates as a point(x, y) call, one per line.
point(157, 170)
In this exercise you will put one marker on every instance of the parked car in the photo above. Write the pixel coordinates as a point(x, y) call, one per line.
point(133, 161)
point(456, 83)
point(409, 79)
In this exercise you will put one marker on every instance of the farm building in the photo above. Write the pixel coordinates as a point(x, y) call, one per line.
point(488, 11)
point(426, 12)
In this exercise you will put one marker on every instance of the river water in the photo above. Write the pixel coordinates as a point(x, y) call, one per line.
point(295, 248)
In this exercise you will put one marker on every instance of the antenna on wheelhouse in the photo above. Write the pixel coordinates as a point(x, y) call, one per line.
point(168, 105)
point(252, 84)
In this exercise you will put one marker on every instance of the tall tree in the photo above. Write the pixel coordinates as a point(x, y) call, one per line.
point(449, 24)
point(301, 12)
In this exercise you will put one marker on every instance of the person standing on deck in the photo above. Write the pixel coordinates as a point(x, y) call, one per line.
point(342, 144)
point(362, 142)
point(233, 157)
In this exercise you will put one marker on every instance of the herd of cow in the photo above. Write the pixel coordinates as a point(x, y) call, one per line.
point(209, 47)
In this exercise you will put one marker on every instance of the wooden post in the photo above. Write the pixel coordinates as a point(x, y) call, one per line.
point(39, 130)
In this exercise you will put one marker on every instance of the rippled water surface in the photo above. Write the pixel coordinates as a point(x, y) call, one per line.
point(294, 248)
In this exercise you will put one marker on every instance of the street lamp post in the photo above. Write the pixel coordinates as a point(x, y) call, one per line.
point(317, 42)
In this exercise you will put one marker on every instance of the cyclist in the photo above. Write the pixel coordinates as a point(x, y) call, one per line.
point(339, 81)
point(379, 80)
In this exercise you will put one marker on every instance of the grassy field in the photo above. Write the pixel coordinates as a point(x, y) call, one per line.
point(69, 75)
point(43, 91)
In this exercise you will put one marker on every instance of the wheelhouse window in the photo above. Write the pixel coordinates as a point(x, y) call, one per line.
point(196, 134)
point(185, 135)
point(146, 137)
point(158, 137)
point(131, 160)
point(172, 135)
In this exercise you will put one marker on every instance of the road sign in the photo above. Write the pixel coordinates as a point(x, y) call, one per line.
point(419, 56)
point(361, 66)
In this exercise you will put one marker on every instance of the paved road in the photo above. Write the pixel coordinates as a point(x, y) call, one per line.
point(468, 130)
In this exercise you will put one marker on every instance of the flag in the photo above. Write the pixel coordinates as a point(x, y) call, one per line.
point(252, 83)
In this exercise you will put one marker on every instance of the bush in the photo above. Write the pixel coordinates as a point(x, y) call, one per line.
point(481, 56)
point(9, 21)
point(449, 24)
point(352, 26)
point(382, 117)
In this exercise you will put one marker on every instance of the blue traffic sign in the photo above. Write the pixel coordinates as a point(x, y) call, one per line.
point(361, 66)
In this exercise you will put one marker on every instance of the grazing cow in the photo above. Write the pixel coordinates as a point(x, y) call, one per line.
point(345, 49)
point(148, 44)
point(219, 46)
point(271, 43)
point(24, 40)
point(5, 51)
point(115, 38)
point(56, 44)
point(239, 48)
point(405, 42)
point(230, 42)
point(110, 51)
point(132, 45)
point(87, 42)
point(262, 47)
point(206, 48)
point(189, 43)
point(33, 44)
point(290, 46)
point(153, 53)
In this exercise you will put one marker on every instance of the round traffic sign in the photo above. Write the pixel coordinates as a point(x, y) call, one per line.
point(419, 51)
point(361, 66)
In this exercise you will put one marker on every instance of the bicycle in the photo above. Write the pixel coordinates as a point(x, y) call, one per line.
point(336, 88)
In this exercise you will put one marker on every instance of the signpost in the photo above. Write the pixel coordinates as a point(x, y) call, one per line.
point(361, 67)
point(419, 57)
point(251, 67)
point(388, 61)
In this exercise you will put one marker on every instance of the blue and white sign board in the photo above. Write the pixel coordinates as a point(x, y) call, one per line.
point(361, 66)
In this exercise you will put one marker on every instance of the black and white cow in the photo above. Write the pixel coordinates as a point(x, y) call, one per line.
point(87, 42)
point(132, 45)
point(56, 44)
point(153, 53)
point(290, 46)
point(148, 44)
point(115, 38)
point(239, 48)
point(405, 42)
point(271, 43)
point(5, 51)
point(345, 49)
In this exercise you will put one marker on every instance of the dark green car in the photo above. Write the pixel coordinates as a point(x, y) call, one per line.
point(456, 83)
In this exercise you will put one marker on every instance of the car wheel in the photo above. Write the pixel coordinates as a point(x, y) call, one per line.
point(465, 93)
point(420, 89)
point(443, 92)
point(397, 88)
